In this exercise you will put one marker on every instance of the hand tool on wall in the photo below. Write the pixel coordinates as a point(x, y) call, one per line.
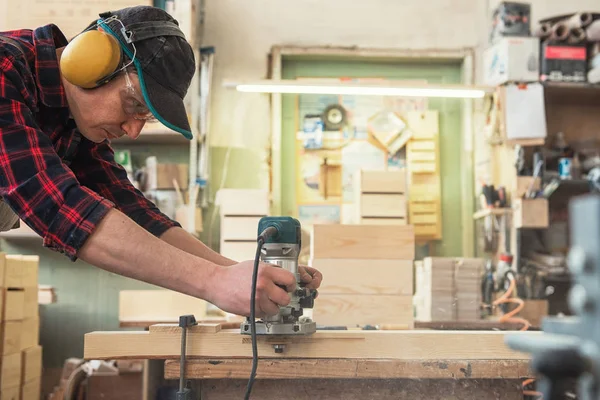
point(185, 391)
point(279, 243)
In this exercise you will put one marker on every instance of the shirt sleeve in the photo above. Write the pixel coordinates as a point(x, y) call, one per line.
point(96, 168)
point(34, 181)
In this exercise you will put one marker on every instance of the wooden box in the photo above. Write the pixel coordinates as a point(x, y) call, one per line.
point(10, 334)
point(522, 184)
point(351, 310)
point(18, 271)
point(30, 334)
point(330, 180)
point(165, 173)
point(31, 390)
point(10, 372)
point(31, 364)
point(351, 276)
point(12, 304)
point(374, 181)
point(370, 242)
point(530, 213)
point(382, 205)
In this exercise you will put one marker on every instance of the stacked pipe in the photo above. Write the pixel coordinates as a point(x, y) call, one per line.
point(577, 28)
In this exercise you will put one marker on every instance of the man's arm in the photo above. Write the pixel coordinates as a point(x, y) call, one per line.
point(96, 168)
point(183, 240)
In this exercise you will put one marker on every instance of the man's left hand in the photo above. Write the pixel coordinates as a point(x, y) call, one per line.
point(310, 276)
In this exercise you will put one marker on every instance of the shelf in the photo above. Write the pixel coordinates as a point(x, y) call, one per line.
point(154, 133)
point(491, 211)
point(23, 232)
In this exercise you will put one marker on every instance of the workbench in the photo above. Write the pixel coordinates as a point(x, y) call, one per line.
point(330, 364)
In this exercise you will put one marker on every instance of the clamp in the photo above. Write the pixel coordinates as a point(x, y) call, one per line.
point(185, 391)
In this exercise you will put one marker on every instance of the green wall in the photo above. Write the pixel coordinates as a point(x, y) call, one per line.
point(450, 131)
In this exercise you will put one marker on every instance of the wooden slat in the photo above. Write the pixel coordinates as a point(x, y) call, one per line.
point(158, 305)
point(30, 335)
point(363, 242)
point(383, 220)
point(401, 345)
point(351, 369)
point(10, 393)
point(10, 371)
point(343, 276)
point(31, 390)
point(30, 302)
point(11, 273)
point(10, 334)
point(31, 363)
point(13, 303)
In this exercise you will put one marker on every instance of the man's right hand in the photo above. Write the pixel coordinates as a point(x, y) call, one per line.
point(229, 288)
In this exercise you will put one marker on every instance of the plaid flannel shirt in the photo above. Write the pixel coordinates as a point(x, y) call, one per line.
point(58, 182)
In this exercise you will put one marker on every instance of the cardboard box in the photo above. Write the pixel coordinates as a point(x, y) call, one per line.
point(563, 62)
point(514, 59)
point(510, 19)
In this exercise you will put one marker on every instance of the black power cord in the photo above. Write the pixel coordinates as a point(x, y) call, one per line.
point(262, 238)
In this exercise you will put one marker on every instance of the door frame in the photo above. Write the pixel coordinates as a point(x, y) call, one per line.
point(464, 56)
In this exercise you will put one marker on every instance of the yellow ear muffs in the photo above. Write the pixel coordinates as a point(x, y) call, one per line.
point(90, 57)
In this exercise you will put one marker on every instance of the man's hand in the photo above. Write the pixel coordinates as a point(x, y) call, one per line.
point(231, 287)
point(310, 276)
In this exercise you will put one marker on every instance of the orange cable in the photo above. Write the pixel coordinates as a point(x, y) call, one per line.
point(510, 316)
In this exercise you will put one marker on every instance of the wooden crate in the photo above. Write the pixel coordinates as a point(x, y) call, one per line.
point(352, 310)
point(530, 213)
point(358, 276)
point(31, 364)
point(10, 372)
point(10, 335)
point(362, 242)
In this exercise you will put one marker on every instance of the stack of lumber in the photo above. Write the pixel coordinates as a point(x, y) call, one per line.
point(240, 210)
point(21, 363)
point(368, 274)
point(381, 197)
point(449, 289)
point(423, 160)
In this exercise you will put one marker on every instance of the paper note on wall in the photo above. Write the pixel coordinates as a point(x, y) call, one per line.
point(525, 116)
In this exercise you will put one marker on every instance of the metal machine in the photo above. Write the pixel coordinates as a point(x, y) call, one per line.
point(282, 243)
point(568, 352)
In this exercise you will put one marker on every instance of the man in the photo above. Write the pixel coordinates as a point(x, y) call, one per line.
point(57, 169)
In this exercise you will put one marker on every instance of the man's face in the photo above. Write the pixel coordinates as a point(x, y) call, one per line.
point(109, 111)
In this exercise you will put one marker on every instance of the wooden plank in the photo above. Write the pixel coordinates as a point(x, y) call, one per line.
point(11, 275)
point(351, 369)
point(363, 242)
point(361, 389)
point(383, 220)
point(475, 325)
point(343, 276)
point(31, 364)
point(30, 270)
point(11, 337)
point(402, 345)
point(359, 310)
point(200, 328)
point(158, 305)
point(10, 371)
point(382, 205)
point(10, 393)
point(382, 181)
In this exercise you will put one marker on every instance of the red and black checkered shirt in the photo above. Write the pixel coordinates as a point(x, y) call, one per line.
point(57, 181)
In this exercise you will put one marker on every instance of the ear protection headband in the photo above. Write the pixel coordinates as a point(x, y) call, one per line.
point(96, 55)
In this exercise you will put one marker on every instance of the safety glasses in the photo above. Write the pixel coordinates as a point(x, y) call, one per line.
point(133, 103)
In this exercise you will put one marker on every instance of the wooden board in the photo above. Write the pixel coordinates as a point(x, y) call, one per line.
point(361, 389)
point(344, 276)
point(10, 393)
point(383, 221)
point(30, 335)
point(158, 305)
point(351, 369)
point(401, 345)
point(363, 242)
point(30, 302)
point(13, 303)
point(31, 390)
point(364, 309)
